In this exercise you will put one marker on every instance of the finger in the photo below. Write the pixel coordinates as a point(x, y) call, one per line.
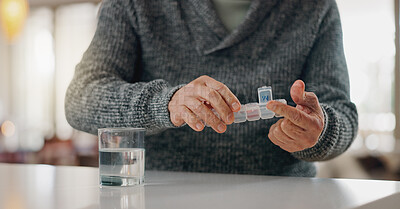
point(205, 114)
point(276, 141)
point(301, 97)
point(281, 144)
point(176, 118)
point(273, 138)
point(292, 130)
point(307, 139)
point(297, 91)
point(272, 131)
point(292, 145)
point(217, 102)
point(191, 119)
point(278, 133)
point(298, 117)
point(226, 94)
point(304, 109)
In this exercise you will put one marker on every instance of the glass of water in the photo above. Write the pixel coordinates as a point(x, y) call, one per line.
point(121, 156)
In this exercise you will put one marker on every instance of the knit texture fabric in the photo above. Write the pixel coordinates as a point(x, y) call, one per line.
point(145, 50)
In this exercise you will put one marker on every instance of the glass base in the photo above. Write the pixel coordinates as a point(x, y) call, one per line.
point(120, 180)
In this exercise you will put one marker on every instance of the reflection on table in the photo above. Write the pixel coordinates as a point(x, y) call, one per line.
point(43, 186)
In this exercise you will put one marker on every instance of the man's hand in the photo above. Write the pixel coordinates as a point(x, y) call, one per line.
point(192, 104)
point(302, 125)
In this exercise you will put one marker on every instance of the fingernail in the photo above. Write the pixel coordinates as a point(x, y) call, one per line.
point(235, 106)
point(199, 126)
point(221, 128)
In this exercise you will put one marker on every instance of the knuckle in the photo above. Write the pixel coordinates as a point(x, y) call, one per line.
point(204, 77)
point(276, 132)
point(197, 106)
point(172, 105)
point(320, 124)
point(212, 94)
point(229, 99)
point(184, 116)
point(191, 84)
point(317, 124)
point(175, 118)
point(227, 114)
point(192, 119)
point(196, 88)
point(195, 83)
point(190, 87)
point(202, 116)
point(285, 126)
point(212, 119)
point(221, 87)
point(281, 110)
point(312, 97)
point(271, 129)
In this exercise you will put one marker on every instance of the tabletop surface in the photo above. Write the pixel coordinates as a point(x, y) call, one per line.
point(44, 186)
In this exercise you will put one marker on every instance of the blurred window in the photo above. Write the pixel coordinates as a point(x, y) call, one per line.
point(74, 29)
point(31, 87)
point(41, 63)
point(369, 43)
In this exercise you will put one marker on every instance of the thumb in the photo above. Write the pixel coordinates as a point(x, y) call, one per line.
point(301, 97)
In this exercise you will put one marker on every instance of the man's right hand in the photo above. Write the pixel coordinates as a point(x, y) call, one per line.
point(192, 105)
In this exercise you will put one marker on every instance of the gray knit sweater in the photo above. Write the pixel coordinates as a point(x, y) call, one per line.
point(145, 50)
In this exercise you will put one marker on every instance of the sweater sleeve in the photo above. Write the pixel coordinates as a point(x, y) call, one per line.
point(326, 75)
point(103, 92)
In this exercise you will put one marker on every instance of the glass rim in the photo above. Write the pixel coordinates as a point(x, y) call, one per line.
point(120, 129)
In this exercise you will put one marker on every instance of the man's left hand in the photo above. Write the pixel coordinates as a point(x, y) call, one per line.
point(302, 125)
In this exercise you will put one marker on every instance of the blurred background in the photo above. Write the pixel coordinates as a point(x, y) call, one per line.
point(41, 41)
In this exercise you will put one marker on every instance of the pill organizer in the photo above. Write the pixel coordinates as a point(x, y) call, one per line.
point(264, 95)
point(256, 111)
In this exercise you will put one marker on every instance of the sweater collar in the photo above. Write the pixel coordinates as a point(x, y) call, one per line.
point(205, 9)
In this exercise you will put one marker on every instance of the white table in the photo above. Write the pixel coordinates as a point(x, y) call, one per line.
point(44, 186)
